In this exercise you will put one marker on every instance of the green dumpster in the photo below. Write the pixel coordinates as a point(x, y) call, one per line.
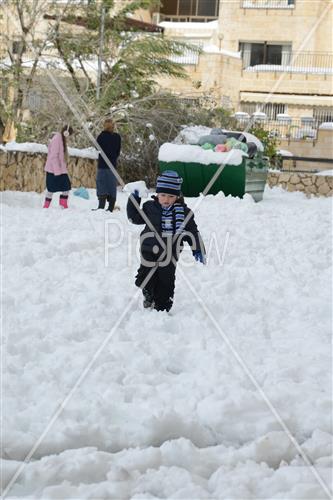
point(196, 177)
point(249, 176)
point(256, 175)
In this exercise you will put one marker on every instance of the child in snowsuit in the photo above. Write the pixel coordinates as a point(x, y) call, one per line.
point(172, 223)
point(56, 168)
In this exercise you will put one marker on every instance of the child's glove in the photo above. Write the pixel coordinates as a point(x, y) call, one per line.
point(197, 254)
point(136, 195)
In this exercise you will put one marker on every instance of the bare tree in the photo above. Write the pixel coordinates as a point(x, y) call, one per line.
point(26, 41)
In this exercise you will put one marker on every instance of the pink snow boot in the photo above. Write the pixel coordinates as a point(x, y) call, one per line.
point(63, 201)
point(47, 202)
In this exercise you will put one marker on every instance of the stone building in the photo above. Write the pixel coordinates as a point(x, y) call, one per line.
point(269, 55)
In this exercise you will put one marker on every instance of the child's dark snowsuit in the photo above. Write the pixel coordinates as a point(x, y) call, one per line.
point(161, 284)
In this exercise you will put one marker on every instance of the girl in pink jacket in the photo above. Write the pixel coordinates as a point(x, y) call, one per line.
point(56, 168)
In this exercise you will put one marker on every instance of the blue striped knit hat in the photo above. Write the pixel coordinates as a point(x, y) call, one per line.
point(169, 182)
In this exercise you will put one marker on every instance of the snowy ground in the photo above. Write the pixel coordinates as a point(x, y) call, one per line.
point(165, 409)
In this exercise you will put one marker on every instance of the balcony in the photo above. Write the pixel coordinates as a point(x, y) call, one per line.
point(267, 4)
point(319, 63)
point(185, 19)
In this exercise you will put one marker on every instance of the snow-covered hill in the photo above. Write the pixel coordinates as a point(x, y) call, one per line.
point(159, 406)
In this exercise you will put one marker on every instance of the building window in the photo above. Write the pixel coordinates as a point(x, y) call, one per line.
point(207, 8)
point(268, 53)
point(186, 8)
point(271, 109)
point(170, 8)
point(191, 8)
point(226, 102)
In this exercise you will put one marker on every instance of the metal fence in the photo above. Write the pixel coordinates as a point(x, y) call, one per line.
point(186, 18)
point(290, 129)
point(267, 4)
point(189, 56)
point(291, 62)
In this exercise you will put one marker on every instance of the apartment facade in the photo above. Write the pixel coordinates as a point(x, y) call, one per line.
point(275, 56)
point(270, 55)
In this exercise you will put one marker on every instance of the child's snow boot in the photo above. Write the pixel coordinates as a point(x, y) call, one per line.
point(166, 306)
point(148, 299)
point(63, 200)
point(47, 202)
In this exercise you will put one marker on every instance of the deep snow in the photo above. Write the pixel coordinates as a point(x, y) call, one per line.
point(165, 410)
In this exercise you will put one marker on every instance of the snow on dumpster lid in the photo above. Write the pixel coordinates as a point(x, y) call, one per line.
point(195, 154)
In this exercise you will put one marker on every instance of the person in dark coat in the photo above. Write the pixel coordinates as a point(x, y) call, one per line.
point(172, 222)
point(106, 181)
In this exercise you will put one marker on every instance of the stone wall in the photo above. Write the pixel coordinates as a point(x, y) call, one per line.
point(25, 172)
point(320, 148)
point(319, 185)
point(21, 171)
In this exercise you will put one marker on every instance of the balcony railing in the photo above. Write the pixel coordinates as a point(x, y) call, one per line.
point(267, 4)
point(293, 129)
point(290, 62)
point(186, 19)
point(188, 57)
